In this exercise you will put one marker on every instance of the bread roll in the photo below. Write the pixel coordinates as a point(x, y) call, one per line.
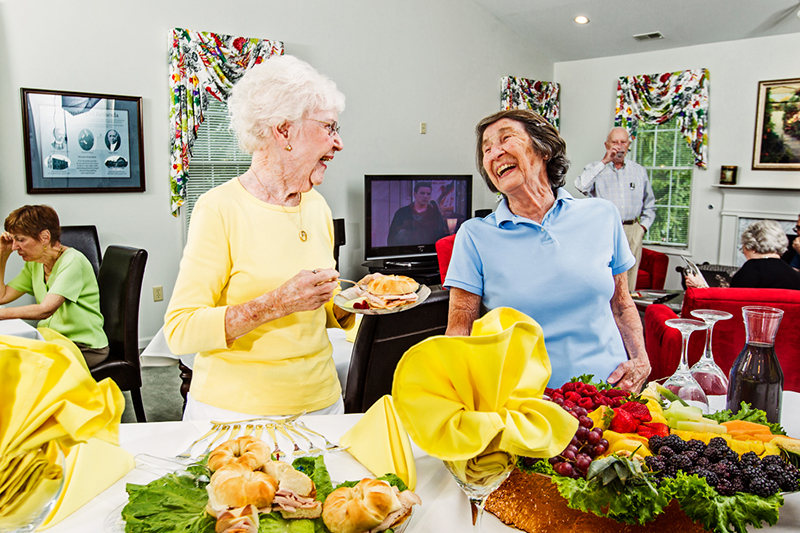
point(360, 508)
point(235, 485)
point(249, 451)
point(392, 285)
point(290, 479)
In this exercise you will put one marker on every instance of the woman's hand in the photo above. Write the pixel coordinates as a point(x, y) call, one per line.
point(631, 375)
point(6, 244)
point(695, 281)
point(307, 290)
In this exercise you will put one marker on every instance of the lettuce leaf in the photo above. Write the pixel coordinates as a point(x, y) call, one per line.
point(391, 479)
point(314, 467)
point(173, 503)
point(721, 514)
point(629, 504)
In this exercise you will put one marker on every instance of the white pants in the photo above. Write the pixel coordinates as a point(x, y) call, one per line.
point(196, 410)
point(635, 234)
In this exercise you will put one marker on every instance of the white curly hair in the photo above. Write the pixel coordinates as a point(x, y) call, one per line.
point(281, 89)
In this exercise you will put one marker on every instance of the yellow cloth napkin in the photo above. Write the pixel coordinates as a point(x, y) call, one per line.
point(51, 335)
point(380, 442)
point(90, 468)
point(455, 395)
point(49, 396)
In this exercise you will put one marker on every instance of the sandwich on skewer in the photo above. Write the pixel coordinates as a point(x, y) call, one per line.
point(387, 292)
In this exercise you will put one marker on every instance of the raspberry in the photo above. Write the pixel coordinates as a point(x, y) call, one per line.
point(572, 396)
point(589, 390)
point(587, 404)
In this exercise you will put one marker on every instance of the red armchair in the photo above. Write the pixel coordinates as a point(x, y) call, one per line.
point(664, 343)
point(652, 270)
point(444, 250)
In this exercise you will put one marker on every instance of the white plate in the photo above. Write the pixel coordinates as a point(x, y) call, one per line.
point(348, 297)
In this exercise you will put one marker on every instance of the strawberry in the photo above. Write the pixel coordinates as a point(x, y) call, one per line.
point(623, 422)
point(638, 410)
point(662, 430)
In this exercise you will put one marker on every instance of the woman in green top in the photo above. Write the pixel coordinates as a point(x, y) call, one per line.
point(61, 280)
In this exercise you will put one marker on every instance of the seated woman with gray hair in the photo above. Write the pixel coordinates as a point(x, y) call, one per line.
point(254, 292)
point(763, 243)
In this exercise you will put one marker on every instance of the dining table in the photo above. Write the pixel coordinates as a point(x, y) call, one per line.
point(19, 328)
point(444, 507)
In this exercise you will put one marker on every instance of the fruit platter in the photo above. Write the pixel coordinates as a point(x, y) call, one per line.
point(650, 462)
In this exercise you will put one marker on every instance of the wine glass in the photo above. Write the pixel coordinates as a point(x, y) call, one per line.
point(682, 383)
point(706, 371)
point(480, 476)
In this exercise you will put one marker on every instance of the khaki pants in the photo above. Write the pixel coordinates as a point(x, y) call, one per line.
point(635, 234)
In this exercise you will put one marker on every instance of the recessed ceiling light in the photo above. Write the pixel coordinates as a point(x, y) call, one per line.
point(580, 19)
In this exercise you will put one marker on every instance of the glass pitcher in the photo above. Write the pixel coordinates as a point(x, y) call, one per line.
point(756, 376)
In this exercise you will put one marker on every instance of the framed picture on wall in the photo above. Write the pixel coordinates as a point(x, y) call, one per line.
point(777, 139)
point(82, 143)
point(727, 175)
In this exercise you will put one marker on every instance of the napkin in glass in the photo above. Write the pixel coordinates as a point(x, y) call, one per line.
point(49, 396)
point(456, 396)
point(380, 443)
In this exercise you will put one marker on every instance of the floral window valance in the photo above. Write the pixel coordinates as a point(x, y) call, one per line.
point(657, 98)
point(203, 64)
point(538, 96)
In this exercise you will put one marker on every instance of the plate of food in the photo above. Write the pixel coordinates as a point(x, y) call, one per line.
point(251, 492)
point(383, 295)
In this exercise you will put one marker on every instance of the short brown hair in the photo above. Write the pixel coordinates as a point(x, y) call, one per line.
point(31, 220)
point(545, 140)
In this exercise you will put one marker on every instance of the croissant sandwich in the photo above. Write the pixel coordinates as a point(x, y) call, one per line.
point(386, 292)
point(370, 506)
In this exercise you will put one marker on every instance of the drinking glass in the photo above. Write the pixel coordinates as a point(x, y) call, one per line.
point(480, 476)
point(682, 383)
point(706, 371)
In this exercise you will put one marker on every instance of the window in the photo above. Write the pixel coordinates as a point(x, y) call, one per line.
point(216, 156)
point(663, 152)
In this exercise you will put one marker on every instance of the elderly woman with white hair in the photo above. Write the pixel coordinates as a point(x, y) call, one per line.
point(763, 243)
point(254, 292)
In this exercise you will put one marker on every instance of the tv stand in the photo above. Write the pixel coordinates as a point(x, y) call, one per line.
point(423, 271)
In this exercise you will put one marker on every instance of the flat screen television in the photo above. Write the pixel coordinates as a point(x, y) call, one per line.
point(406, 214)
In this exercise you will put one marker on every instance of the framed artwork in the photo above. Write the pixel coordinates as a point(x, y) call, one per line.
point(777, 139)
point(727, 175)
point(82, 143)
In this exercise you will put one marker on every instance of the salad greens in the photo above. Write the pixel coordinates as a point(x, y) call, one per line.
point(748, 414)
point(621, 490)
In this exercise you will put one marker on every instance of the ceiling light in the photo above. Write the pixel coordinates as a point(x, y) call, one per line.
point(580, 19)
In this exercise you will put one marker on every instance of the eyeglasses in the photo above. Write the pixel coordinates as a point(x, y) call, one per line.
point(332, 127)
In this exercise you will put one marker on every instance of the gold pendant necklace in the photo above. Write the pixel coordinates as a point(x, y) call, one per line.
point(303, 235)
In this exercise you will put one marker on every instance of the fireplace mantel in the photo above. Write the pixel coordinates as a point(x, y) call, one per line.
point(776, 203)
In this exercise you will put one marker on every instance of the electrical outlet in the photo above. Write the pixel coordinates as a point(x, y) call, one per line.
point(158, 293)
point(423, 128)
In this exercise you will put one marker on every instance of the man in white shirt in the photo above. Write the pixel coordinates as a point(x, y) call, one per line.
point(625, 183)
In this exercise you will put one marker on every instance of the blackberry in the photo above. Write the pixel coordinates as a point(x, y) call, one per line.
point(720, 470)
point(750, 459)
point(714, 454)
point(773, 459)
point(711, 478)
point(666, 451)
point(763, 487)
point(785, 479)
point(696, 446)
point(654, 443)
point(738, 484)
point(681, 462)
point(751, 472)
point(724, 487)
point(656, 463)
point(717, 442)
point(732, 456)
point(691, 455)
point(702, 462)
point(675, 442)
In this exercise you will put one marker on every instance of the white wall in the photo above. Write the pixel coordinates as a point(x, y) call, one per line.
point(399, 62)
point(588, 98)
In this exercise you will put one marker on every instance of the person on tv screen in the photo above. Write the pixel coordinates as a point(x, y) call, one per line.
point(420, 222)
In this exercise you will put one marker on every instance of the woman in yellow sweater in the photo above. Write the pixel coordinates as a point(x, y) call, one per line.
point(254, 292)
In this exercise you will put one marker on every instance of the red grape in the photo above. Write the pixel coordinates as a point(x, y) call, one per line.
point(563, 469)
point(593, 438)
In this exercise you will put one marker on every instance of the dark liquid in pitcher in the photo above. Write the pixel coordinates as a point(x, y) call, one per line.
point(756, 378)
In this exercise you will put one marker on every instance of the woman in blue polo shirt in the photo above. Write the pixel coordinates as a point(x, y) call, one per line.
point(559, 260)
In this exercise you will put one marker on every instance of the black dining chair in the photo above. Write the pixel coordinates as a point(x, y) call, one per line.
point(85, 240)
point(339, 238)
point(381, 342)
point(120, 282)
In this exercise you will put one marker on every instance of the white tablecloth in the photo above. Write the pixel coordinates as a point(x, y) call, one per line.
point(19, 328)
point(157, 353)
point(444, 507)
